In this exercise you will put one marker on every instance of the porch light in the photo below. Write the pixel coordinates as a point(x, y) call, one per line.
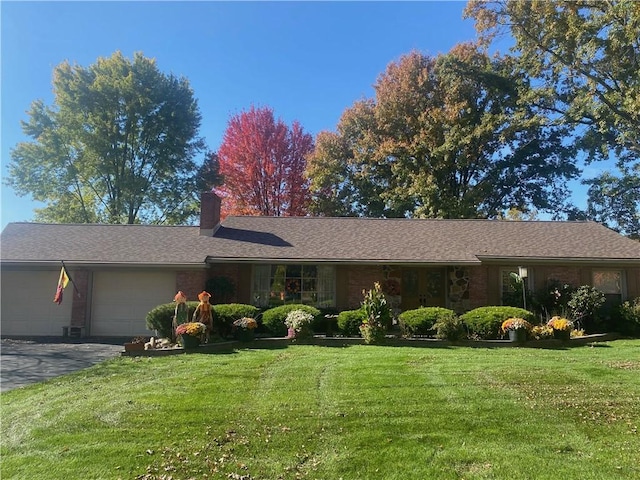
point(522, 272)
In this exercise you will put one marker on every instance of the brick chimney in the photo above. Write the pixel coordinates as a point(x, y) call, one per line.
point(209, 213)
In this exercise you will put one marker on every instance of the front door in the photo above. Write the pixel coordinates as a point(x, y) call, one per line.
point(423, 287)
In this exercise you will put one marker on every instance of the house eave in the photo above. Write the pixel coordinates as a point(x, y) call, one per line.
point(93, 264)
point(340, 261)
point(558, 260)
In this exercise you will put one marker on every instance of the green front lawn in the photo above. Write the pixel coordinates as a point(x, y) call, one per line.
point(360, 412)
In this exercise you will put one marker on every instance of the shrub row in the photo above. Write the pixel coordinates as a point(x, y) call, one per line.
point(483, 322)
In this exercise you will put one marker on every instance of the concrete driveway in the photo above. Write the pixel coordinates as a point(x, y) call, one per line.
point(23, 362)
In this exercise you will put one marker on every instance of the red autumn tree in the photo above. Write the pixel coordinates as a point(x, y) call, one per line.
point(262, 162)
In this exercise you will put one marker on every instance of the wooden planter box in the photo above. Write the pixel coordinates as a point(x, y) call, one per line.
point(133, 347)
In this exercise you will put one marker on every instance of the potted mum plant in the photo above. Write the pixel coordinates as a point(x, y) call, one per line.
point(561, 328)
point(190, 334)
point(298, 323)
point(244, 329)
point(517, 329)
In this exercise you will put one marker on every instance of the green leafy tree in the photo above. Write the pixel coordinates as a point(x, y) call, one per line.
point(116, 146)
point(584, 59)
point(615, 200)
point(444, 137)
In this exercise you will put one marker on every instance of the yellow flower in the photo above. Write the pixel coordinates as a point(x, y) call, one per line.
point(559, 323)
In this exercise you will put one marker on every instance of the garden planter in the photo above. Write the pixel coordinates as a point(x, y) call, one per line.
point(133, 347)
point(244, 335)
point(563, 335)
point(189, 341)
point(518, 335)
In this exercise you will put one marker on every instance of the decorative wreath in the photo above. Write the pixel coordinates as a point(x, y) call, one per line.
point(391, 287)
point(293, 286)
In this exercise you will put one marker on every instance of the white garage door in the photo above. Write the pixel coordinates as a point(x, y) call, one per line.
point(121, 301)
point(27, 303)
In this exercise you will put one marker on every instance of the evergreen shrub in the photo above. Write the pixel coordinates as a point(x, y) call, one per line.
point(629, 318)
point(349, 321)
point(449, 328)
point(160, 318)
point(273, 319)
point(224, 314)
point(485, 322)
point(421, 320)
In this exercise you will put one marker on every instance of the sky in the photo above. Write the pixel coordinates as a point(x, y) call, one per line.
point(308, 61)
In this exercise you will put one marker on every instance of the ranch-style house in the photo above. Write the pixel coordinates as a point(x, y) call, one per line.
point(120, 272)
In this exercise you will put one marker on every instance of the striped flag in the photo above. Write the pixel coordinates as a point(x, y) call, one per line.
point(62, 283)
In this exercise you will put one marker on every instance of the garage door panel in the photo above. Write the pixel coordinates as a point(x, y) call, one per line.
point(27, 306)
point(121, 301)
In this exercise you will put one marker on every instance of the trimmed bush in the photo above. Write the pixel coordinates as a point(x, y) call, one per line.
point(449, 328)
point(349, 321)
point(161, 318)
point(485, 322)
point(421, 320)
point(629, 318)
point(273, 319)
point(225, 314)
point(585, 306)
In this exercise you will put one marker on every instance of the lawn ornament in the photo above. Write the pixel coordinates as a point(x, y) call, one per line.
point(203, 313)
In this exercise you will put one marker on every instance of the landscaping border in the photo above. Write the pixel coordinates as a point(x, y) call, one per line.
point(321, 340)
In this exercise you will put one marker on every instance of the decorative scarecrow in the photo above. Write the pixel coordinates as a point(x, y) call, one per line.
point(181, 313)
point(203, 313)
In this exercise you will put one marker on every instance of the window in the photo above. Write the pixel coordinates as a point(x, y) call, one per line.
point(609, 282)
point(511, 288)
point(281, 284)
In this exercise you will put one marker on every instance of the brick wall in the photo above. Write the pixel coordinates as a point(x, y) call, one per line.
point(484, 282)
point(479, 287)
point(358, 279)
point(79, 309)
point(191, 282)
point(209, 213)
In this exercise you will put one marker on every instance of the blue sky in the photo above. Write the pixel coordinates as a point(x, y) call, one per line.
point(307, 60)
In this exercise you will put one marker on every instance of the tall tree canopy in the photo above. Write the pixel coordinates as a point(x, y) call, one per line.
point(584, 57)
point(116, 146)
point(445, 137)
point(262, 162)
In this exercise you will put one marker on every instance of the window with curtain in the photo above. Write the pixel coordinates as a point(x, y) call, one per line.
point(283, 284)
point(609, 282)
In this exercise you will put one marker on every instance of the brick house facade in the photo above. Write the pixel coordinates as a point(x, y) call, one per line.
point(463, 288)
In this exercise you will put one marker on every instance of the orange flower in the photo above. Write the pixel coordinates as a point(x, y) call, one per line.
point(515, 323)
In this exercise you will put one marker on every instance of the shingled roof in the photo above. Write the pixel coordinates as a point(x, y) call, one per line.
point(318, 239)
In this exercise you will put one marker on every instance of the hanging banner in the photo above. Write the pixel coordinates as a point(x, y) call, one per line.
point(63, 281)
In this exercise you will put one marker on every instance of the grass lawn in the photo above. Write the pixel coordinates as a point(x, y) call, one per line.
point(359, 412)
